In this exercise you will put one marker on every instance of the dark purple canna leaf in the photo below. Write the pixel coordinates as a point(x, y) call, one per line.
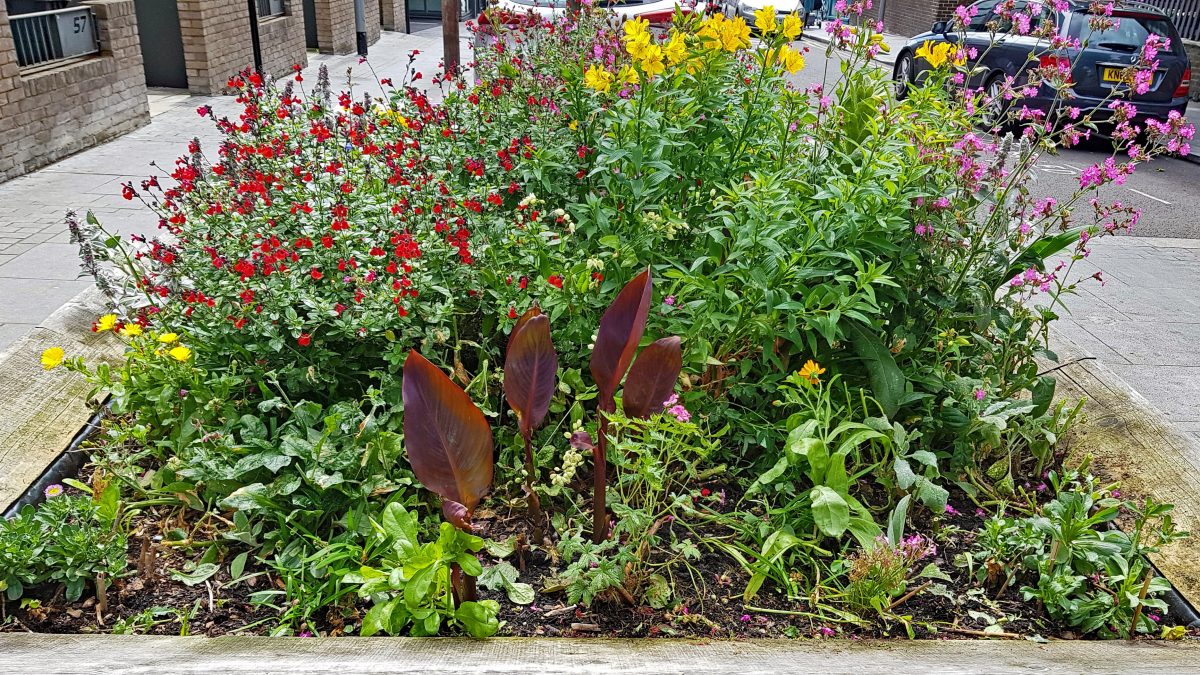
point(621, 329)
point(652, 378)
point(448, 440)
point(530, 367)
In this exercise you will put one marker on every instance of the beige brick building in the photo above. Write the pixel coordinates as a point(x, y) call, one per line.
point(53, 110)
point(76, 77)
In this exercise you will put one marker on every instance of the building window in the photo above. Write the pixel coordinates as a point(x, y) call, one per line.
point(269, 8)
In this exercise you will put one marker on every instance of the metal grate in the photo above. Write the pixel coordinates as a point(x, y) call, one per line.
point(1184, 13)
point(269, 8)
point(46, 37)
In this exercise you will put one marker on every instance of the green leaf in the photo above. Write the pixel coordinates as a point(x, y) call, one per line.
point(249, 498)
point(904, 473)
point(932, 571)
point(501, 549)
point(401, 527)
point(831, 513)
point(520, 593)
point(658, 591)
point(196, 576)
point(896, 521)
point(498, 577)
point(376, 619)
point(1043, 394)
point(887, 381)
point(238, 565)
point(932, 495)
point(480, 619)
point(865, 531)
point(109, 504)
point(84, 487)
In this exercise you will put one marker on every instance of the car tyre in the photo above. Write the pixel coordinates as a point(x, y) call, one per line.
point(903, 75)
point(997, 108)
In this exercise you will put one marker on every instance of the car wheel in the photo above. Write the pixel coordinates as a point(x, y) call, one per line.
point(996, 108)
point(903, 75)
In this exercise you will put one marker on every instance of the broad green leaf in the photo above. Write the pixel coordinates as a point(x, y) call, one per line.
point(831, 513)
point(196, 576)
point(480, 619)
point(887, 381)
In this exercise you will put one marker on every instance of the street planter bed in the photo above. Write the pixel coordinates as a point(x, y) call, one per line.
point(639, 343)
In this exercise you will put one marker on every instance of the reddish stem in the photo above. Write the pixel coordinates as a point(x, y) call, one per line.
point(600, 459)
point(535, 504)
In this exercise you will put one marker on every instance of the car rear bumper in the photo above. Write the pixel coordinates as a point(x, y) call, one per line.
point(1100, 107)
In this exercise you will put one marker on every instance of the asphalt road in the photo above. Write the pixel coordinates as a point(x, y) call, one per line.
point(1166, 189)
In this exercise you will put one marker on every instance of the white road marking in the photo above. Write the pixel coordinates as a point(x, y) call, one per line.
point(1160, 201)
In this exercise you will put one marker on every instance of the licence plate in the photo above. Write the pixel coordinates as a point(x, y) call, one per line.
point(1112, 74)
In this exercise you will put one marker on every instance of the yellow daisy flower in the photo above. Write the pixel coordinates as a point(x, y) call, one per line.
point(180, 353)
point(53, 358)
point(106, 322)
point(168, 338)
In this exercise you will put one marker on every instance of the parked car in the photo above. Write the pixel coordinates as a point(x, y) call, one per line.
point(654, 11)
point(1096, 68)
point(747, 8)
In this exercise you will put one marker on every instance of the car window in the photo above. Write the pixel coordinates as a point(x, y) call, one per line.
point(1128, 35)
point(983, 14)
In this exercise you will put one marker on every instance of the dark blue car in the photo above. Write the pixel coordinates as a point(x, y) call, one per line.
point(1096, 69)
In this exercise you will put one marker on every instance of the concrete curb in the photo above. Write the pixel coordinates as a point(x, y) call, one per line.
point(89, 654)
point(42, 411)
point(1131, 441)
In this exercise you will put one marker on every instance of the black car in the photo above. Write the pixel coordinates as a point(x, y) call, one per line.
point(1096, 68)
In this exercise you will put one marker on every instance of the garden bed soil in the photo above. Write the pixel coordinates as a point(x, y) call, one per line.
point(710, 606)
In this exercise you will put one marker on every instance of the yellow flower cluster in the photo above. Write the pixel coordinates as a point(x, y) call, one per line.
point(789, 59)
point(641, 46)
point(765, 21)
point(719, 32)
point(940, 53)
point(597, 78)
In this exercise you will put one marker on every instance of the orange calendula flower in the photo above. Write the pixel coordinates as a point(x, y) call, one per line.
point(812, 372)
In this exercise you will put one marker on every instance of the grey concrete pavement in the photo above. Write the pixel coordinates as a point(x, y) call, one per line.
point(1144, 323)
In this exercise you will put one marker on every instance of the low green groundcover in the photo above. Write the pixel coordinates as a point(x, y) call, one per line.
point(630, 336)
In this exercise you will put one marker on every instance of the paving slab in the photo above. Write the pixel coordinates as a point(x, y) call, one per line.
point(127, 655)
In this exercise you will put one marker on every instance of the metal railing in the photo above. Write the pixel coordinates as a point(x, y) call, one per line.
point(46, 37)
point(269, 8)
point(1184, 13)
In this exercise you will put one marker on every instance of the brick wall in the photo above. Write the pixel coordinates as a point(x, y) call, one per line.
point(335, 25)
point(392, 14)
point(371, 14)
point(50, 114)
point(217, 44)
point(282, 39)
point(912, 17)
